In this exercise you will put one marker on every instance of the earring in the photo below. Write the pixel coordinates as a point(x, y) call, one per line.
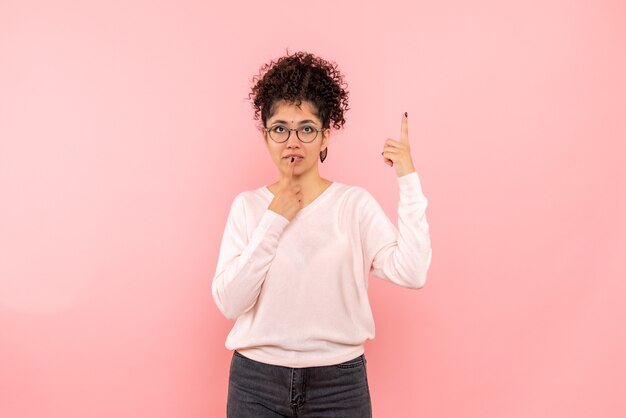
point(323, 154)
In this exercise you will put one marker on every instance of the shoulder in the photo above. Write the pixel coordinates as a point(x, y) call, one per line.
point(251, 198)
point(356, 195)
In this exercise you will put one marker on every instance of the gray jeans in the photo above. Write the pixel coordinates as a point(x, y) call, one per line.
point(260, 390)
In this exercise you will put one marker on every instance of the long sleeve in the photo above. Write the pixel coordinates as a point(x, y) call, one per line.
point(400, 255)
point(244, 261)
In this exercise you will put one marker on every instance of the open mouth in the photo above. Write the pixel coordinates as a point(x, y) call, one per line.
point(295, 158)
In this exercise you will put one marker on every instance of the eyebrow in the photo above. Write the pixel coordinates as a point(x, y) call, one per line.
point(301, 122)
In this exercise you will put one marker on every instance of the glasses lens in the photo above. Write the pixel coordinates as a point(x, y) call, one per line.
point(307, 133)
point(279, 133)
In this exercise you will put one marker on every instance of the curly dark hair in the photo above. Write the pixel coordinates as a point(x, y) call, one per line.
point(297, 77)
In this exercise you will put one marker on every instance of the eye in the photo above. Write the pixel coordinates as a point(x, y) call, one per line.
point(278, 129)
point(307, 129)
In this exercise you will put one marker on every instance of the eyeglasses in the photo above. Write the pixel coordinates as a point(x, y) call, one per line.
point(305, 133)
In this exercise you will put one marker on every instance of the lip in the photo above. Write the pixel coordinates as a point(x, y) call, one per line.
point(293, 155)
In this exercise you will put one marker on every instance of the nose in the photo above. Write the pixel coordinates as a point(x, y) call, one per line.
point(293, 141)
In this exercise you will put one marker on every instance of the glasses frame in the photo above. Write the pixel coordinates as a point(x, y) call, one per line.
point(317, 131)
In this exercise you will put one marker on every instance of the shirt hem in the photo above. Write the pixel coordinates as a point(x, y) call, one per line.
point(256, 355)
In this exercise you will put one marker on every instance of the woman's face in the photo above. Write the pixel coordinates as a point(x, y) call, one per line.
point(288, 115)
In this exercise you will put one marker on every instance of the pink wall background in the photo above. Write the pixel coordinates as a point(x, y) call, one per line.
point(125, 134)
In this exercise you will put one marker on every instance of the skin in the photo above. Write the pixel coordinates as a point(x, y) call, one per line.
point(299, 181)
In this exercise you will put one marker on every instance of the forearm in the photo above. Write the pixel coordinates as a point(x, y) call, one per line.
point(239, 276)
point(405, 260)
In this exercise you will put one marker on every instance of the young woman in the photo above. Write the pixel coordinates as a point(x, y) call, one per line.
point(296, 255)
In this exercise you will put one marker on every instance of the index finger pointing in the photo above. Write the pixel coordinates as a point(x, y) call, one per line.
point(404, 128)
point(290, 167)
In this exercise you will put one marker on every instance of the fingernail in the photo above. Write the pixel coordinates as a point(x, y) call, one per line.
point(406, 114)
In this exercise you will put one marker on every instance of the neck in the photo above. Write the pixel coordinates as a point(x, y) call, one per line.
point(311, 185)
point(310, 180)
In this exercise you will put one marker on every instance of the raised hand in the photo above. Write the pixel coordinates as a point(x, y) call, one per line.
point(398, 153)
point(288, 198)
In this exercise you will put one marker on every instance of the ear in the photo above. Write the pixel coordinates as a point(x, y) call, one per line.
point(325, 139)
point(263, 134)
